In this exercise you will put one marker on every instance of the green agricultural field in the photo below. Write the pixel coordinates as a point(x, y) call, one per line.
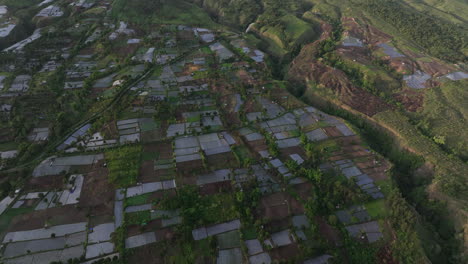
point(124, 165)
point(376, 209)
point(138, 200)
point(138, 218)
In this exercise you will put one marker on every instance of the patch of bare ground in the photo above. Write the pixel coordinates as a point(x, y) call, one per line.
point(328, 232)
point(134, 230)
point(411, 100)
point(147, 173)
point(290, 251)
point(306, 68)
point(333, 132)
point(68, 214)
point(45, 183)
point(214, 188)
point(97, 195)
point(435, 68)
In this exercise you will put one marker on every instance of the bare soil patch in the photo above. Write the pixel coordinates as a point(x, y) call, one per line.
point(45, 183)
point(214, 188)
point(97, 194)
point(147, 173)
point(412, 100)
point(55, 216)
point(284, 253)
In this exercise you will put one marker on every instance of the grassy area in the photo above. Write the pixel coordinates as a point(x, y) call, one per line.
point(220, 208)
point(242, 154)
point(287, 34)
point(138, 200)
point(171, 12)
point(148, 126)
point(138, 218)
point(376, 209)
point(124, 165)
point(450, 176)
point(145, 156)
point(249, 233)
point(444, 116)
point(190, 251)
point(8, 146)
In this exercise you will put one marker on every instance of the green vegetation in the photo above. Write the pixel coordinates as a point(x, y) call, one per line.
point(449, 171)
point(376, 209)
point(435, 218)
point(161, 11)
point(440, 39)
point(237, 13)
point(444, 116)
point(243, 156)
point(138, 218)
point(189, 251)
point(198, 210)
point(124, 165)
point(138, 200)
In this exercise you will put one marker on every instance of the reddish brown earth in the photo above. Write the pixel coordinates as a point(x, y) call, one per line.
point(283, 253)
point(221, 161)
point(150, 254)
point(435, 68)
point(328, 232)
point(56, 216)
point(304, 190)
point(274, 206)
point(285, 152)
point(97, 194)
point(305, 68)
point(353, 28)
point(355, 54)
point(164, 149)
point(147, 173)
point(134, 230)
point(412, 100)
point(214, 188)
point(402, 65)
point(44, 183)
point(332, 132)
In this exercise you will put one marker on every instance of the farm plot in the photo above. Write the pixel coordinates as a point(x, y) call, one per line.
point(124, 165)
